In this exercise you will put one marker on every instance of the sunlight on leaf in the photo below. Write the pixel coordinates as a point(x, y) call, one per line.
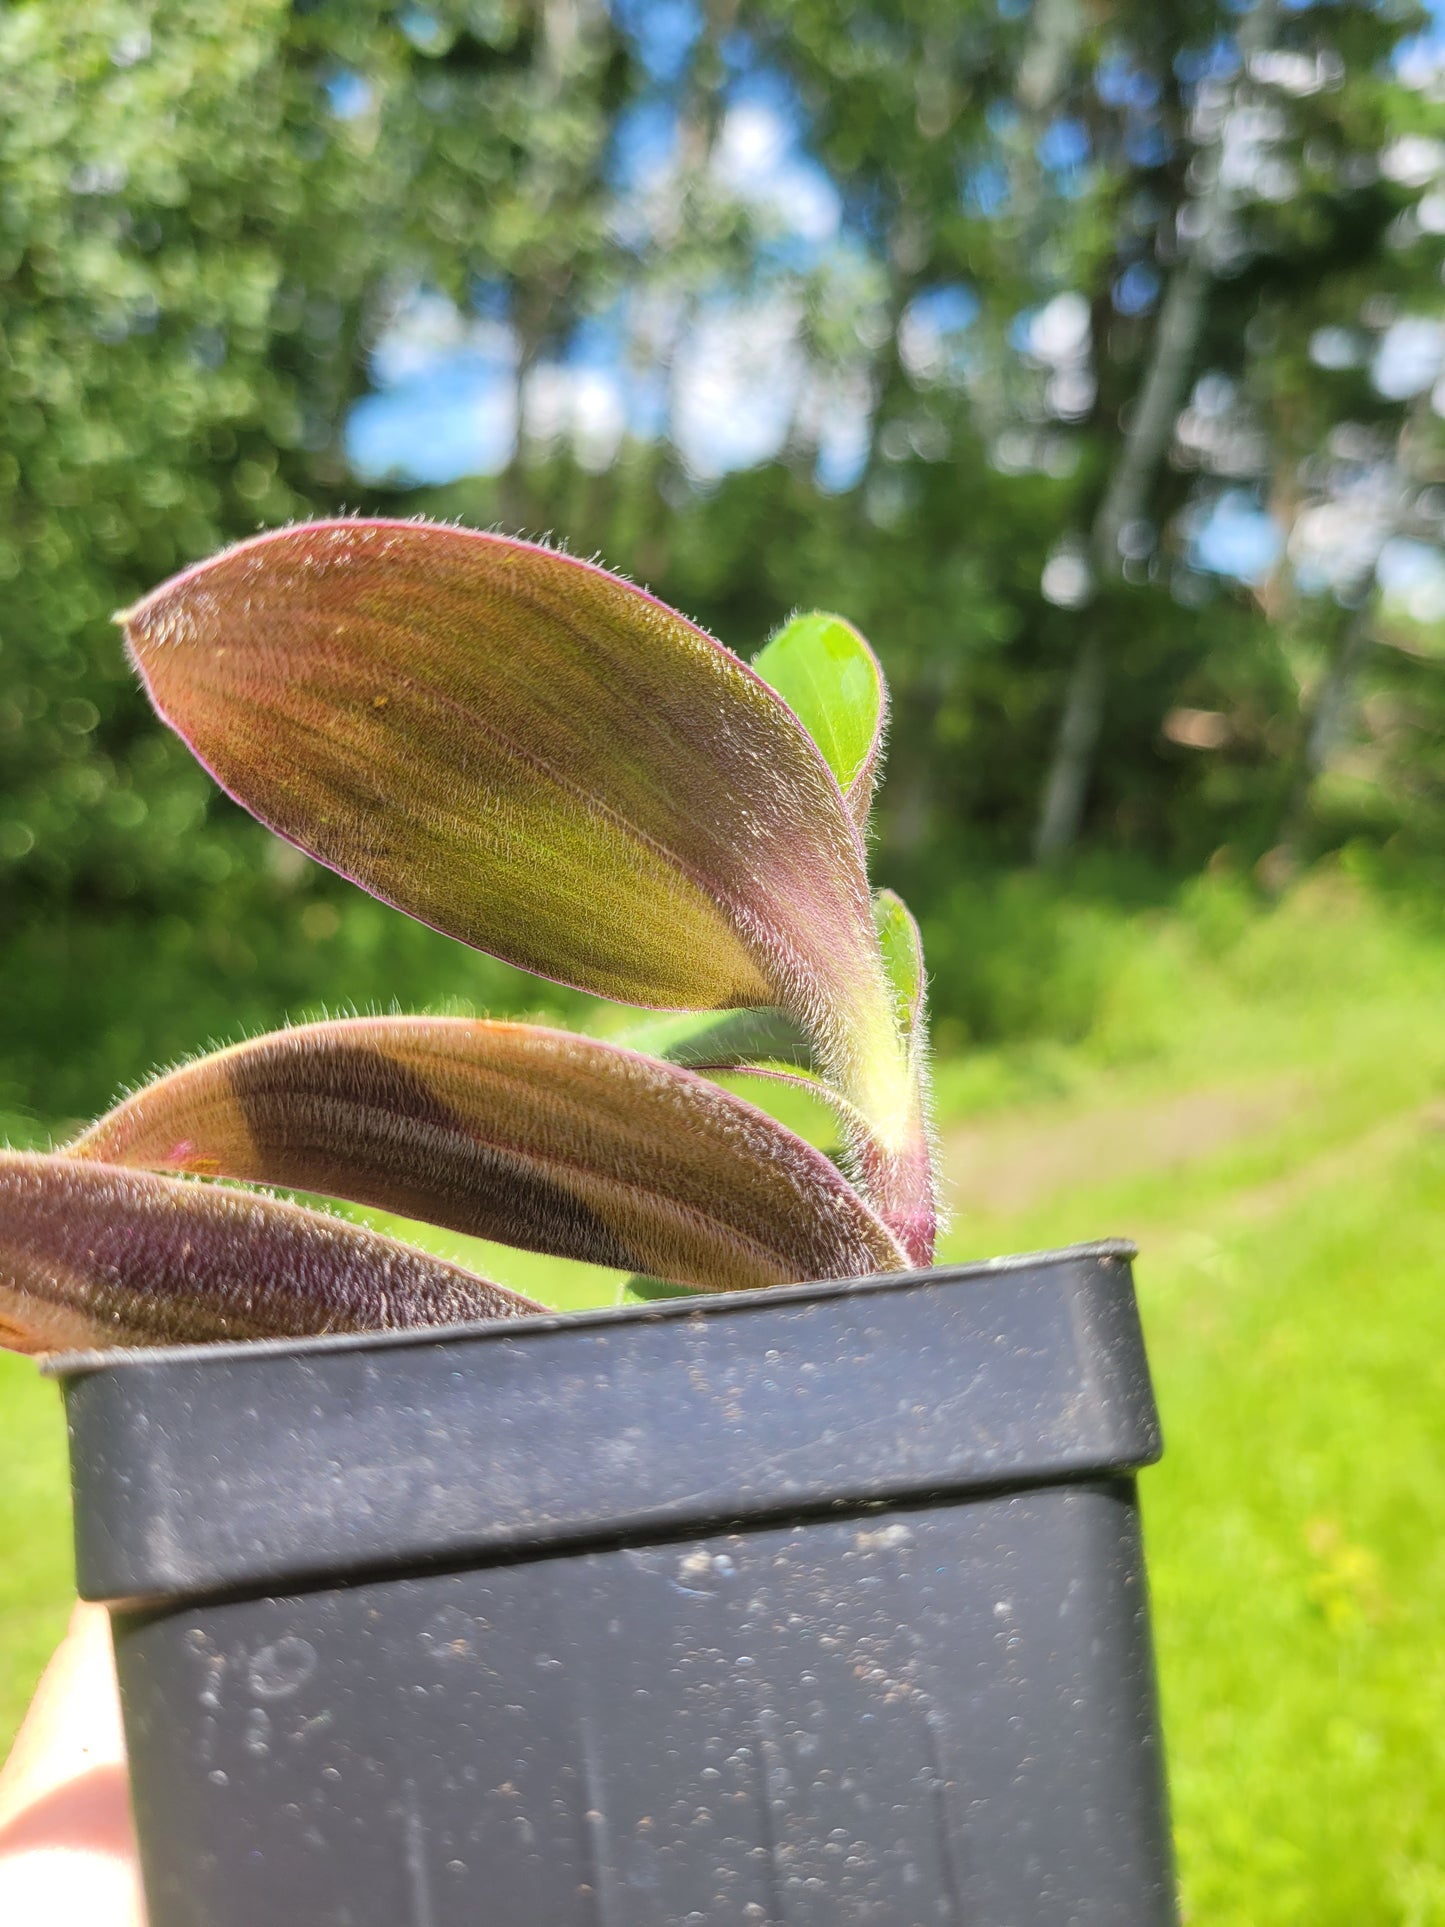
point(534, 1137)
point(829, 677)
point(532, 755)
point(537, 757)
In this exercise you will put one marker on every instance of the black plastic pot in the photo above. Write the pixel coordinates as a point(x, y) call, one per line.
point(818, 1606)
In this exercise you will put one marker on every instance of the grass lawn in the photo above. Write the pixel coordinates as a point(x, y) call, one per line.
point(1259, 1099)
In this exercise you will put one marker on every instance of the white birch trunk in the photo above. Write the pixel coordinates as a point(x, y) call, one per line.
point(1146, 442)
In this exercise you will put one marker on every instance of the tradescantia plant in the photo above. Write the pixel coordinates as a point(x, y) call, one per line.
point(540, 759)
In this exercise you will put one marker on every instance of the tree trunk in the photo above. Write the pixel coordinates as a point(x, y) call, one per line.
point(1334, 699)
point(1073, 758)
point(1145, 445)
point(1126, 500)
point(1333, 702)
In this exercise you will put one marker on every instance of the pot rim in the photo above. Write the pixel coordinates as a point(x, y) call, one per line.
point(76, 1364)
point(226, 1468)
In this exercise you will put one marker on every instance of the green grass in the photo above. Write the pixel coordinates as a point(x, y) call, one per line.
point(1295, 1545)
point(1291, 1280)
point(1256, 1095)
point(36, 1569)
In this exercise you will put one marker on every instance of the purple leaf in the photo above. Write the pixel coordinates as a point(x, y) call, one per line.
point(532, 1137)
point(539, 758)
point(94, 1256)
point(533, 755)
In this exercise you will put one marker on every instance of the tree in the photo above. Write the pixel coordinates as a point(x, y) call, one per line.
point(1034, 300)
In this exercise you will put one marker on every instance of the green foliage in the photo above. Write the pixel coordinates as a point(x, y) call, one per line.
point(96, 1003)
point(201, 248)
point(175, 281)
point(1122, 967)
point(197, 252)
point(902, 956)
point(37, 1573)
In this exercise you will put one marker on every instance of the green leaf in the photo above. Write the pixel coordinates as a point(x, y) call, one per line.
point(94, 1256)
point(902, 947)
point(719, 1040)
point(831, 680)
point(528, 1136)
point(536, 757)
point(642, 1290)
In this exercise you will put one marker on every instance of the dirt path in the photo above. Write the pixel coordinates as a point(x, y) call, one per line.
point(1341, 1164)
point(1018, 1159)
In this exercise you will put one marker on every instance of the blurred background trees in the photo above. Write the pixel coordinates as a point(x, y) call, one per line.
point(1090, 359)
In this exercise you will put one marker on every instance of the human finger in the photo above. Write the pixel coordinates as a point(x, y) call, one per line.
point(67, 1842)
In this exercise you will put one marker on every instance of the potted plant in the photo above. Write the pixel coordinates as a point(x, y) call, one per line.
point(816, 1603)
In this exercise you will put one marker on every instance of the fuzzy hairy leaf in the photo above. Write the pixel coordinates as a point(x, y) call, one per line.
point(529, 1136)
point(95, 1256)
point(829, 677)
point(899, 1180)
point(537, 757)
point(902, 947)
point(902, 1181)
